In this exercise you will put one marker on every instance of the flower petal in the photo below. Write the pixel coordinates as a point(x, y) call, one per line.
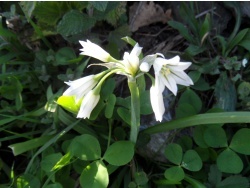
point(182, 78)
point(136, 50)
point(157, 103)
point(80, 87)
point(88, 104)
point(93, 50)
point(170, 83)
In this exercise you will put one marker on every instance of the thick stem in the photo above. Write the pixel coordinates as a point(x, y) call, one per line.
point(135, 109)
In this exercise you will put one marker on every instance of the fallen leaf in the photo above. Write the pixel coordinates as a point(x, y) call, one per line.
point(146, 13)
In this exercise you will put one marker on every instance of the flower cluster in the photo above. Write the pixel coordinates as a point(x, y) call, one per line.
point(168, 73)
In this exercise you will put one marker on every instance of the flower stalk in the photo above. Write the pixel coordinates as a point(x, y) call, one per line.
point(135, 109)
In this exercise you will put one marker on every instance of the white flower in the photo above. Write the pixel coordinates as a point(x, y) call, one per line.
point(93, 50)
point(244, 62)
point(80, 87)
point(157, 102)
point(131, 61)
point(148, 61)
point(88, 104)
point(171, 72)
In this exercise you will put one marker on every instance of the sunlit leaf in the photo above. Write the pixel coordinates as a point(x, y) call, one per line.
point(85, 147)
point(95, 175)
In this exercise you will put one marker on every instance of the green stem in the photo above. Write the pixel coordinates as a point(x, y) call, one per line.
point(135, 109)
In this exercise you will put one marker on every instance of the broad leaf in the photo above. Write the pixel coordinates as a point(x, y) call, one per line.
point(215, 137)
point(240, 141)
point(85, 147)
point(190, 97)
point(95, 175)
point(229, 162)
point(233, 182)
point(175, 173)
point(191, 161)
point(119, 153)
point(173, 153)
point(74, 22)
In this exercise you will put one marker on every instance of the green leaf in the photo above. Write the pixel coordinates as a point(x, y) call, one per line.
point(201, 85)
point(55, 185)
point(108, 88)
point(116, 15)
point(141, 178)
point(173, 153)
point(65, 160)
point(74, 22)
point(182, 30)
point(214, 175)
point(28, 7)
point(201, 119)
point(195, 183)
point(95, 175)
point(110, 106)
point(99, 5)
point(191, 161)
point(194, 75)
point(115, 35)
point(184, 110)
point(27, 181)
point(145, 107)
point(95, 113)
point(175, 173)
point(194, 50)
point(245, 43)
point(49, 161)
point(237, 39)
point(203, 153)
point(205, 27)
point(64, 55)
point(85, 147)
point(48, 12)
point(185, 142)
point(229, 162)
point(119, 153)
point(124, 114)
point(215, 137)
point(129, 40)
point(199, 136)
point(243, 90)
point(190, 97)
point(233, 182)
point(223, 44)
point(240, 141)
point(22, 147)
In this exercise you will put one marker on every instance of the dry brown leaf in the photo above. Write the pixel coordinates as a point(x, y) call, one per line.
point(145, 13)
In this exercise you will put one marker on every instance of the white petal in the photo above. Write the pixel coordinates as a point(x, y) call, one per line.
point(182, 78)
point(80, 87)
point(88, 104)
point(149, 59)
point(157, 65)
point(173, 61)
point(144, 67)
point(136, 50)
point(93, 50)
point(157, 103)
point(159, 85)
point(170, 83)
point(181, 66)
